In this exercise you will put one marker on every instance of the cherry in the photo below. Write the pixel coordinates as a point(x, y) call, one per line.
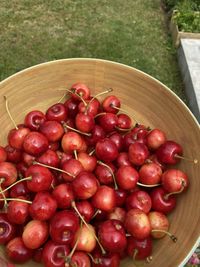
point(112, 236)
point(110, 102)
point(8, 173)
point(117, 214)
point(35, 143)
point(92, 108)
point(153, 158)
point(7, 229)
point(18, 211)
point(64, 195)
point(63, 157)
point(174, 181)
point(71, 106)
point(127, 177)
point(17, 136)
point(123, 160)
point(13, 155)
point(34, 119)
point(81, 91)
point(41, 178)
point(21, 169)
point(88, 162)
point(54, 254)
point(84, 122)
point(71, 141)
point(57, 112)
point(159, 225)
point(138, 153)
point(73, 167)
point(108, 121)
point(37, 255)
point(155, 139)
point(139, 200)
point(3, 154)
point(124, 122)
point(85, 185)
point(104, 199)
point(43, 206)
point(63, 226)
point(105, 260)
point(27, 159)
point(97, 134)
point(53, 130)
point(35, 234)
point(81, 259)
point(168, 152)
point(106, 150)
point(86, 209)
point(117, 139)
point(85, 238)
point(105, 172)
point(137, 223)
point(139, 249)
point(50, 158)
point(120, 195)
point(161, 202)
point(150, 173)
point(20, 189)
point(3, 199)
point(54, 146)
point(17, 251)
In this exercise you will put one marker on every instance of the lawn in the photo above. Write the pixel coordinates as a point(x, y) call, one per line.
point(130, 32)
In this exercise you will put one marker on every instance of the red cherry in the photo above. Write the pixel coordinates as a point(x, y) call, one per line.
point(43, 206)
point(53, 130)
point(84, 122)
point(49, 158)
point(120, 195)
point(57, 112)
point(7, 229)
point(105, 173)
point(3, 154)
point(81, 259)
point(124, 121)
point(138, 153)
point(20, 189)
point(92, 107)
point(71, 106)
point(104, 199)
point(110, 102)
point(137, 223)
point(108, 122)
point(160, 202)
point(97, 134)
point(54, 255)
point(139, 200)
point(35, 143)
point(35, 234)
point(63, 226)
point(117, 214)
point(155, 139)
point(16, 137)
point(106, 260)
point(8, 173)
point(80, 89)
point(17, 251)
point(127, 177)
point(88, 162)
point(159, 223)
point(112, 236)
point(140, 249)
point(73, 167)
point(106, 150)
point(71, 141)
point(117, 139)
point(41, 178)
point(34, 119)
point(18, 211)
point(13, 155)
point(86, 209)
point(64, 195)
point(150, 173)
point(123, 160)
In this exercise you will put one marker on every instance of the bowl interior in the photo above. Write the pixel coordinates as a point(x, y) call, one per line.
point(147, 100)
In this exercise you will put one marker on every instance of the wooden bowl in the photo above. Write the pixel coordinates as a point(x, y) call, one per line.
point(150, 103)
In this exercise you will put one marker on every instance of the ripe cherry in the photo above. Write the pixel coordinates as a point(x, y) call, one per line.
point(127, 177)
point(84, 122)
point(71, 106)
point(109, 104)
point(138, 153)
point(8, 173)
point(73, 167)
point(139, 249)
point(3, 154)
point(71, 141)
point(34, 119)
point(7, 229)
point(35, 143)
point(104, 199)
point(57, 112)
point(80, 90)
point(139, 200)
point(14, 155)
point(50, 158)
point(155, 139)
point(16, 137)
point(86, 209)
point(150, 173)
point(106, 150)
point(53, 130)
point(88, 162)
point(117, 214)
point(64, 195)
point(108, 121)
point(18, 211)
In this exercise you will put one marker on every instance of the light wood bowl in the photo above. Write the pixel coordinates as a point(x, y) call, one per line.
point(149, 101)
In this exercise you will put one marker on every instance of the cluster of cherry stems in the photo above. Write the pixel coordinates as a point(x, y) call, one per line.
point(81, 186)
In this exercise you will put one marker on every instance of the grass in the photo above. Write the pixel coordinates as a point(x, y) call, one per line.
point(130, 32)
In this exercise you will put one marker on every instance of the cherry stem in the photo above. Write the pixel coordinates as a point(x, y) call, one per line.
point(92, 152)
point(122, 110)
point(71, 92)
point(95, 214)
point(75, 154)
point(177, 192)
point(76, 243)
point(62, 98)
point(17, 182)
point(9, 114)
point(173, 237)
point(75, 208)
point(149, 259)
point(135, 252)
point(95, 261)
point(100, 114)
point(53, 168)
point(20, 200)
point(147, 185)
point(111, 171)
point(75, 130)
point(195, 161)
point(97, 95)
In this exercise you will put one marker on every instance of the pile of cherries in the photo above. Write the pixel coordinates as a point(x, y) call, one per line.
point(81, 186)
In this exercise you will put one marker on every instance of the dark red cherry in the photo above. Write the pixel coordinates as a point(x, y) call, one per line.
point(57, 112)
point(34, 119)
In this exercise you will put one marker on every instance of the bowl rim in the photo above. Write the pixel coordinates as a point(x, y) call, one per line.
point(110, 62)
point(185, 260)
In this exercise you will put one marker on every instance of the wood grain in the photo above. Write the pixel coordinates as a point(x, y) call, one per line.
point(149, 102)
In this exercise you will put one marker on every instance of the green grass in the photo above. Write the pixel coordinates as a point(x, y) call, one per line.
point(130, 32)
